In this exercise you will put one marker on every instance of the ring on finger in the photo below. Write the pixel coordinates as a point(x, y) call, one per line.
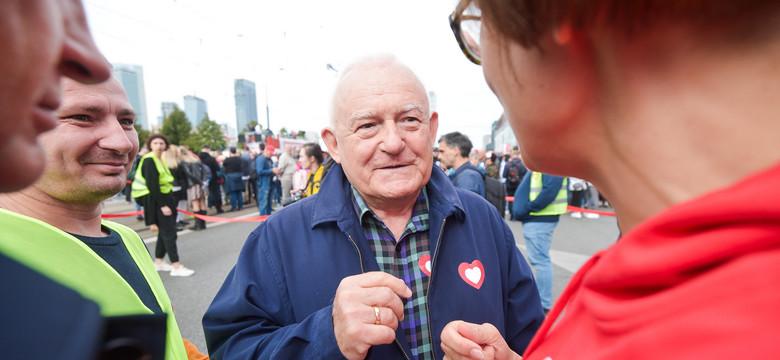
point(376, 314)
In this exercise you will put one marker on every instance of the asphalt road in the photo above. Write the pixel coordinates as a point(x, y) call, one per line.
point(213, 252)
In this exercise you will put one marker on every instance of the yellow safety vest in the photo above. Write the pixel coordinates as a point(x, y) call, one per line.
point(68, 261)
point(139, 183)
point(558, 206)
point(313, 186)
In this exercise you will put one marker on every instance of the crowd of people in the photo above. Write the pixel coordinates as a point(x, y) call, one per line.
point(669, 110)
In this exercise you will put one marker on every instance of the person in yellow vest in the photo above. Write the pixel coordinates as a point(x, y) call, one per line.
point(540, 199)
point(153, 188)
point(54, 226)
point(311, 160)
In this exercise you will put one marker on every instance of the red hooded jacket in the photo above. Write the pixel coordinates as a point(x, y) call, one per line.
point(701, 280)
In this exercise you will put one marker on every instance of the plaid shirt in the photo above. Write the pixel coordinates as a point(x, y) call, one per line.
point(401, 259)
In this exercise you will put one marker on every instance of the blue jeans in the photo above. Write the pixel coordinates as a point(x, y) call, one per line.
point(236, 200)
point(538, 236)
point(264, 199)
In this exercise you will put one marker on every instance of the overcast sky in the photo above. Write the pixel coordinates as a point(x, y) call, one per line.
point(198, 47)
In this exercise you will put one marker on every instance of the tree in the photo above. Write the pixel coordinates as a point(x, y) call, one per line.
point(283, 132)
point(207, 133)
point(143, 134)
point(176, 127)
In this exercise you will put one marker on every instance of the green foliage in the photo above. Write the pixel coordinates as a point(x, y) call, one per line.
point(143, 134)
point(283, 132)
point(176, 127)
point(301, 134)
point(207, 132)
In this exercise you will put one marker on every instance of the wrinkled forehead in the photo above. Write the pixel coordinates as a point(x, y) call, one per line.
point(111, 86)
point(372, 85)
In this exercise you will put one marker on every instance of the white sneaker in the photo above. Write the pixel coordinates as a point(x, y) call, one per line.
point(163, 266)
point(576, 215)
point(182, 271)
point(591, 216)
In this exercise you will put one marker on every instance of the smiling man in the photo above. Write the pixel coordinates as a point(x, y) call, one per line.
point(384, 255)
point(54, 225)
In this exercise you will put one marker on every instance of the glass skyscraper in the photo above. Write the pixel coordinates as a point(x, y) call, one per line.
point(246, 104)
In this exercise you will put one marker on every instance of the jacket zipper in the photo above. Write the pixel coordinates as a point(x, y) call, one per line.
point(363, 271)
point(430, 283)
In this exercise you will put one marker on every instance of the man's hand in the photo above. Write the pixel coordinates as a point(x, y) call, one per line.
point(462, 340)
point(166, 211)
point(354, 315)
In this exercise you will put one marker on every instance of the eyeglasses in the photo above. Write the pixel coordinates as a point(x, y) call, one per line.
point(466, 23)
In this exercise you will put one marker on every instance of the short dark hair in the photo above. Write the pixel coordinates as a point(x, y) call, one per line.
point(261, 146)
point(458, 140)
point(312, 149)
point(157, 136)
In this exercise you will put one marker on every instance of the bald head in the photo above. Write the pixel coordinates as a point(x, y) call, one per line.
point(381, 70)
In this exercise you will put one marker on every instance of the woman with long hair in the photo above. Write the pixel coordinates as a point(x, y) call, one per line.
point(311, 160)
point(153, 187)
point(197, 184)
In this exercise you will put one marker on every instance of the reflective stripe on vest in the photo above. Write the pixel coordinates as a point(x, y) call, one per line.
point(558, 206)
point(139, 183)
point(67, 260)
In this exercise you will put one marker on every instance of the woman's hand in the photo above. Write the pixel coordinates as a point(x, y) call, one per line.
point(466, 341)
point(166, 211)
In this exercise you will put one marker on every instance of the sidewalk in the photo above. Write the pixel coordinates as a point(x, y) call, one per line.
point(118, 205)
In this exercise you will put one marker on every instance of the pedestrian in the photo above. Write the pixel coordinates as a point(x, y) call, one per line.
point(234, 184)
point(54, 226)
point(347, 272)
point(454, 150)
point(214, 193)
point(670, 110)
point(198, 176)
point(539, 202)
point(286, 169)
point(264, 169)
point(153, 187)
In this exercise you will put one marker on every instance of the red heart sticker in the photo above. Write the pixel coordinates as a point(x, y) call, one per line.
point(473, 274)
point(425, 264)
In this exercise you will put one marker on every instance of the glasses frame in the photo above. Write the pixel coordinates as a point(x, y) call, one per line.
point(455, 18)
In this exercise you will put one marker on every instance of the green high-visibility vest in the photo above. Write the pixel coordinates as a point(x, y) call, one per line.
point(558, 206)
point(139, 183)
point(68, 261)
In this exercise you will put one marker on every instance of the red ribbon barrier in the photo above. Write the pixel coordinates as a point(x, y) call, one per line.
point(111, 216)
point(573, 208)
point(199, 216)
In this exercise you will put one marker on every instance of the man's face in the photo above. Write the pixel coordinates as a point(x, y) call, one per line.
point(382, 135)
point(42, 41)
point(447, 154)
point(91, 150)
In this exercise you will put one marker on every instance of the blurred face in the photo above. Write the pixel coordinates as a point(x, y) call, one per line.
point(306, 161)
point(382, 134)
point(157, 146)
point(447, 154)
point(42, 41)
point(91, 150)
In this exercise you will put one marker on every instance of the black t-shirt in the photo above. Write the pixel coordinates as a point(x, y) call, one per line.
point(113, 251)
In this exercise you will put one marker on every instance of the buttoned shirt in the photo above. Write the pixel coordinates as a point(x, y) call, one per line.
point(401, 258)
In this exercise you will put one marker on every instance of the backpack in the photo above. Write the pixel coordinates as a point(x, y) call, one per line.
point(495, 191)
point(514, 173)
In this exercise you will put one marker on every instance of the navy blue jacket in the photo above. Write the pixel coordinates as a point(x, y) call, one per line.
point(470, 178)
point(522, 207)
point(277, 301)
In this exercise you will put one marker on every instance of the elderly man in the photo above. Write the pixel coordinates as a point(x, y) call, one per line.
point(384, 256)
point(285, 171)
point(671, 109)
point(54, 226)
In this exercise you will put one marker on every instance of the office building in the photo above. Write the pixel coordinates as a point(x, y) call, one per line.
point(195, 109)
point(132, 79)
point(246, 104)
